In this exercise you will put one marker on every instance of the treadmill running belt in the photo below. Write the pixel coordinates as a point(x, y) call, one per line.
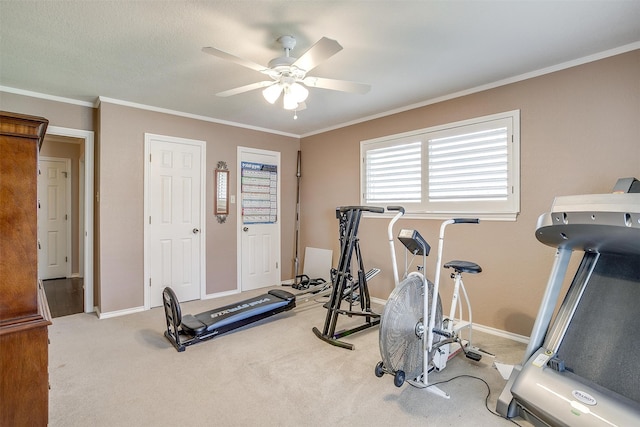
point(601, 342)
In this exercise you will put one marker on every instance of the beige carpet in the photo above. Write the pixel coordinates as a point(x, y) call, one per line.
point(123, 372)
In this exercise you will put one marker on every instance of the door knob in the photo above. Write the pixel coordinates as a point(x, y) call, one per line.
point(245, 229)
point(196, 230)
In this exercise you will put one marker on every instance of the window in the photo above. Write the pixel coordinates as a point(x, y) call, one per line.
point(393, 174)
point(463, 168)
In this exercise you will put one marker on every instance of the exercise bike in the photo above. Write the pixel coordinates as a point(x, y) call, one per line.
point(414, 337)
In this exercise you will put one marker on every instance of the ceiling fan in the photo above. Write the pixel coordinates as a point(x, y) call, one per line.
point(289, 75)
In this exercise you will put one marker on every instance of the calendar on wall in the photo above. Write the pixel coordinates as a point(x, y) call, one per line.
point(259, 187)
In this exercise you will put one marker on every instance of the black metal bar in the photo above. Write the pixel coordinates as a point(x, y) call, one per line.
point(362, 327)
point(343, 281)
point(373, 209)
point(344, 268)
point(332, 341)
point(352, 313)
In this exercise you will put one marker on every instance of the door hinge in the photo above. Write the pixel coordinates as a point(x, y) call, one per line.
point(66, 259)
point(149, 281)
point(149, 219)
point(66, 217)
point(149, 157)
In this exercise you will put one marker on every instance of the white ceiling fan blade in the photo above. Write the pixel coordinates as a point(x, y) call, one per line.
point(245, 88)
point(316, 54)
point(229, 57)
point(341, 85)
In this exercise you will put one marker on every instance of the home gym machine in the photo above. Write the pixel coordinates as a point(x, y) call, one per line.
point(415, 339)
point(584, 368)
point(346, 288)
point(183, 331)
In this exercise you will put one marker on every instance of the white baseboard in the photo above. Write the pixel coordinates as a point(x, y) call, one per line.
point(378, 300)
point(221, 294)
point(118, 313)
point(141, 308)
point(499, 332)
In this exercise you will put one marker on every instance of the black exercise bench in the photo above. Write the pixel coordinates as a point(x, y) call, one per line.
point(186, 330)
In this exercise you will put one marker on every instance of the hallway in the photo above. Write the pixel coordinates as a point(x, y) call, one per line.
point(65, 296)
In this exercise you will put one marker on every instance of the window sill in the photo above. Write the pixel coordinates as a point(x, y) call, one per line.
point(444, 216)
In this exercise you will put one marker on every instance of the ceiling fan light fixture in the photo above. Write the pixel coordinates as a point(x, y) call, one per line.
point(290, 102)
point(289, 74)
point(299, 92)
point(272, 93)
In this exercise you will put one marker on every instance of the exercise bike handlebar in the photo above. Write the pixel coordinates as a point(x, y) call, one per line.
point(396, 217)
point(441, 241)
point(396, 208)
point(444, 225)
point(466, 220)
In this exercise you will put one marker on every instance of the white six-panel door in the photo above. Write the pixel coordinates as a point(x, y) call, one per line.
point(259, 221)
point(174, 209)
point(53, 218)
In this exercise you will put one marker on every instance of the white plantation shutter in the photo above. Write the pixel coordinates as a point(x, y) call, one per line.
point(464, 168)
point(394, 174)
point(471, 166)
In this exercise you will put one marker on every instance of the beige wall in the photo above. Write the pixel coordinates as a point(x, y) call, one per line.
point(580, 132)
point(119, 149)
point(58, 113)
point(121, 188)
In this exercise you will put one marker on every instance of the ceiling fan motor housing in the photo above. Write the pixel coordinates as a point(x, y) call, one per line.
point(287, 42)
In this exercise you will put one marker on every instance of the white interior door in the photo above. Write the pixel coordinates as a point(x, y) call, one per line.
point(53, 218)
point(81, 209)
point(175, 236)
point(87, 214)
point(259, 218)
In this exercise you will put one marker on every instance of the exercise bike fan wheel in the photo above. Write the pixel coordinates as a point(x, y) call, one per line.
point(402, 330)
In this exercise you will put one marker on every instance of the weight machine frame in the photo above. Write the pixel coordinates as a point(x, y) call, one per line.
point(343, 283)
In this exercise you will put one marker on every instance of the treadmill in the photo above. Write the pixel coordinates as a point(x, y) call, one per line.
point(583, 369)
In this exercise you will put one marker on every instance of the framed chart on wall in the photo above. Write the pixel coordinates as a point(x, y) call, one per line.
point(259, 193)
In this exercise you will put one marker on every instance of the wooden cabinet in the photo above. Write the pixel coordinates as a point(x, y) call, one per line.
point(24, 314)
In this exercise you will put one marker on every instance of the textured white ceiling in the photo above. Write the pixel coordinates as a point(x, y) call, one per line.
point(410, 52)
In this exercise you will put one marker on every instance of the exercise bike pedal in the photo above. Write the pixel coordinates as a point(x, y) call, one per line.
point(473, 355)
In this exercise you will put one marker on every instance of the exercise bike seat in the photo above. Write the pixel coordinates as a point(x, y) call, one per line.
point(464, 266)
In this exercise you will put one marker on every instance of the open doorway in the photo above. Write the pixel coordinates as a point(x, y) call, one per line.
point(71, 290)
